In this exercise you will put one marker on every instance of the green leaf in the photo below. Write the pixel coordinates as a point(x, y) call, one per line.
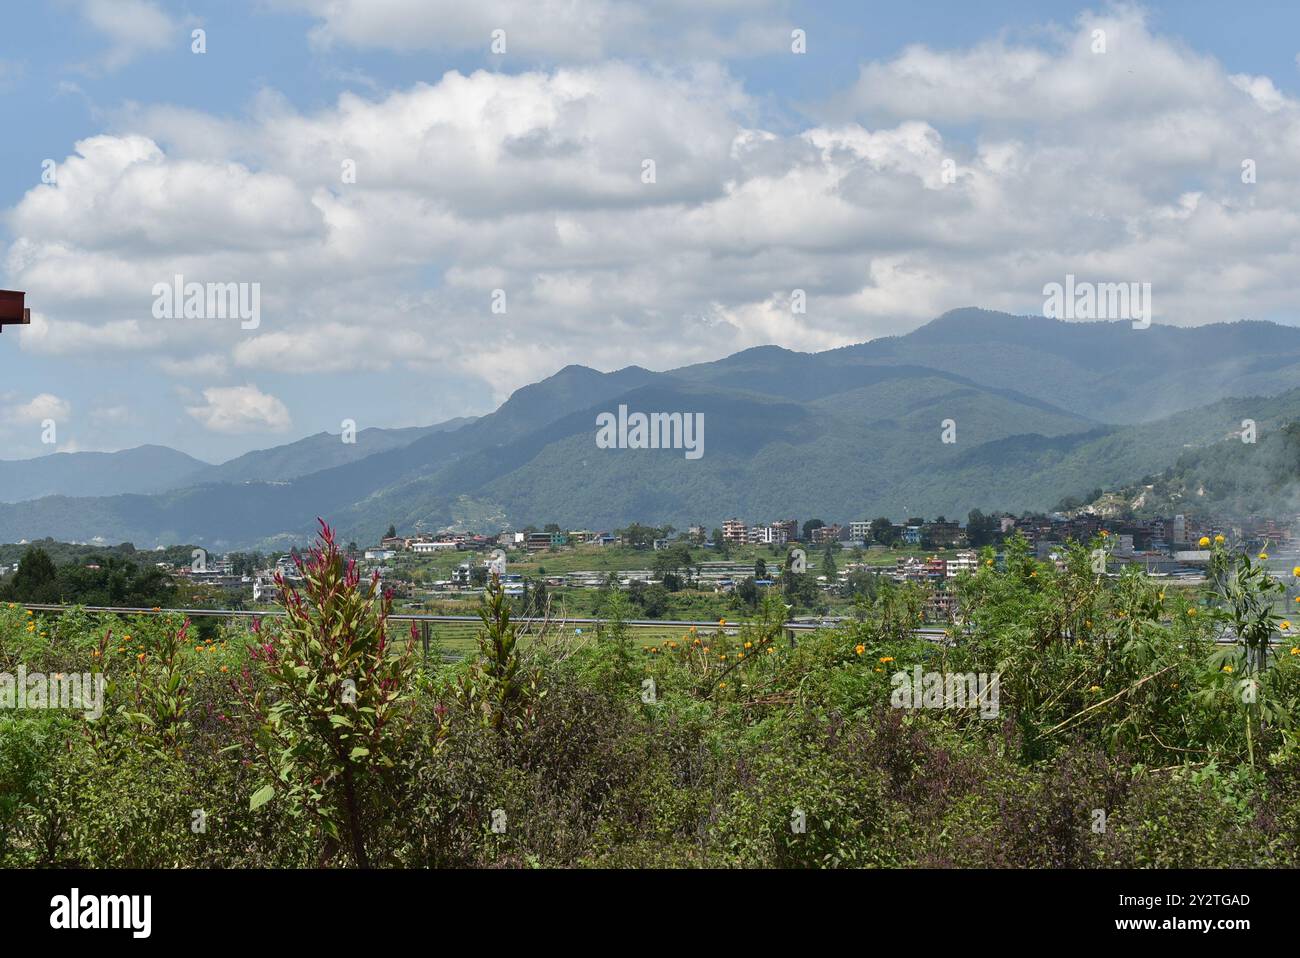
point(261, 797)
point(359, 752)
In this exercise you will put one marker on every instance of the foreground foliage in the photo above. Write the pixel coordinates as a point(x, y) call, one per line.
point(1125, 735)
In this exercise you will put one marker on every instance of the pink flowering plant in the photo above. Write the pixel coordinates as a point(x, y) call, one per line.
point(332, 710)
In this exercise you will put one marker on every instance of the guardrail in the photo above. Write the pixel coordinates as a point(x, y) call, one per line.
point(449, 619)
point(933, 633)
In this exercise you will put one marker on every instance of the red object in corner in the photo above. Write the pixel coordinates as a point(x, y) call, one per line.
point(12, 310)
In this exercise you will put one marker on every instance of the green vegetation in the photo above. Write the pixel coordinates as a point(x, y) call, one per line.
point(320, 739)
point(1228, 478)
point(105, 579)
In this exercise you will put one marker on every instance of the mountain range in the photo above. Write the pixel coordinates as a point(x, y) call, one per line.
point(975, 409)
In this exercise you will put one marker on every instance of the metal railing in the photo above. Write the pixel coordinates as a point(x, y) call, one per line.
point(792, 626)
point(931, 632)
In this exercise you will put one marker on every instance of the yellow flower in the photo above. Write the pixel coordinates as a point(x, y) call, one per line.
point(1104, 533)
point(1227, 668)
point(1263, 556)
point(886, 658)
point(722, 622)
point(722, 685)
point(1284, 625)
point(1219, 539)
point(988, 562)
point(1095, 688)
point(740, 655)
point(749, 645)
point(859, 649)
point(140, 657)
point(1296, 572)
point(879, 669)
point(770, 650)
point(1203, 541)
point(1191, 611)
point(1296, 650)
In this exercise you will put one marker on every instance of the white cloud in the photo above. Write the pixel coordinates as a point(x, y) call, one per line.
point(240, 409)
point(36, 410)
point(536, 29)
point(1117, 166)
point(70, 337)
point(132, 28)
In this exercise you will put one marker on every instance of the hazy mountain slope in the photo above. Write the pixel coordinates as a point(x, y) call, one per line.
point(1108, 372)
point(1228, 476)
point(142, 469)
point(229, 515)
point(759, 452)
point(844, 433)
point(314, 453)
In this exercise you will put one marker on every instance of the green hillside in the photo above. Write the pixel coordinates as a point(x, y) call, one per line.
point(1041, 409)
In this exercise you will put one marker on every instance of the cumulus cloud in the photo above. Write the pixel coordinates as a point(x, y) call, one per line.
point(535, 29)
point(36, 410)
point(942, 178)
point(240, 409)
point(132, 28)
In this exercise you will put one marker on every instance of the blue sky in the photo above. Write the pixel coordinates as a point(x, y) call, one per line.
point(776, 171)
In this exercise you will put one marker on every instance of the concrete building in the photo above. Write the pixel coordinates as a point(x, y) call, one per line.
point(735, 532)
point(426, 548)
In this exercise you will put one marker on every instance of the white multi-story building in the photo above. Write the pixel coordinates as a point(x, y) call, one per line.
point(965, 561)
point(429, 547)
point(768, 535)
point(860, 531)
